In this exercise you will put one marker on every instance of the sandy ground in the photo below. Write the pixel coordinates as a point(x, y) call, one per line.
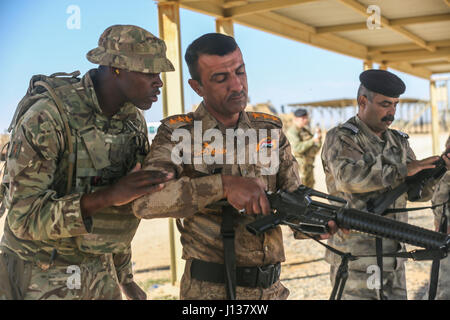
point(305, 273)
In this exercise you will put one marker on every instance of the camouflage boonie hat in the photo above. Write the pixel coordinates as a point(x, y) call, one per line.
point(131, 48)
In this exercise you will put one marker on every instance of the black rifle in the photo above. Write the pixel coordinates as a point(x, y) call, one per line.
point(412, 185)
point(298, 210)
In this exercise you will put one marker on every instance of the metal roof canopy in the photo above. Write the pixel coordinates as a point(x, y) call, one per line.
point(414, 35)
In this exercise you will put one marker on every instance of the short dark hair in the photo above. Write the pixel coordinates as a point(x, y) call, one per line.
point(363, 91)
point(210, 43)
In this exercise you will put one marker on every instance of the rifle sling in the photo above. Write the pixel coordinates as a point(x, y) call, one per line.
point(398, 210)
point(379, 254)
point(434, 276)
point(342, 273)
point(229, 256)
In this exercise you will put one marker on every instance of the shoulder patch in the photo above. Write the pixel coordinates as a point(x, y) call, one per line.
point(265, 117)
point(400, 133)
point(350, 127)
point(178, 120)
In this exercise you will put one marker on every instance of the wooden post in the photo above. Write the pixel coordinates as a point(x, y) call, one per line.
point(173, 103)
point(434, 118)
point(225, 26)
point(367, 65)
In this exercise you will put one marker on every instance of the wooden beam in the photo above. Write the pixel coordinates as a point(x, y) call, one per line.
point(441, 71)
point(407, 68)
point(420, 19)
point(393, 22)
point(342, 27)
point(361, 9)
point(407, 46)
point(411, 55)
point(292, 29)
point(233, 3)
point(212, 8)
point(430, 64)
point(262, 6)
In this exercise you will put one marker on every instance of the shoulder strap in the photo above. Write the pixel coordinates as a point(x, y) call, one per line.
point(69, 138)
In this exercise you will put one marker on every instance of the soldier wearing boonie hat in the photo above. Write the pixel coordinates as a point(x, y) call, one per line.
point(363, 158)
point(131, 48)
point(74, 160)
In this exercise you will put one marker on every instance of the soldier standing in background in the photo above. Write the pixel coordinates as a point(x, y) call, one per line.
point(68, 185)
point(363, 158)
point(304, 145)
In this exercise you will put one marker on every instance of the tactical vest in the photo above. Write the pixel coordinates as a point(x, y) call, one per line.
point(98, 159)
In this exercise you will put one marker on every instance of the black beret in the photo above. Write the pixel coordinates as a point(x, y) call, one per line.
point(300, 113)
point(383, 82)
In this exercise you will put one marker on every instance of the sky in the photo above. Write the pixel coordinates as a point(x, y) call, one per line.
point(36, 39)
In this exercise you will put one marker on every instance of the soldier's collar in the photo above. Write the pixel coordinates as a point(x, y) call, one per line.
point(367, 131)
point(90, 91)
point(208, 121)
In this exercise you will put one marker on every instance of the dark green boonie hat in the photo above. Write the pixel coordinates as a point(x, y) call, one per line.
point(131, 48)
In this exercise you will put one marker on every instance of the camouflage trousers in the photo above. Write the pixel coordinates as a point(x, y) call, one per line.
point(357, 287)
point(92, 280)
point(443, 287)
point(306, 172)
point(193, 289)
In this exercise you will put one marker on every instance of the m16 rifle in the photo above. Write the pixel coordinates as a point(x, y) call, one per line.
point(298, 210)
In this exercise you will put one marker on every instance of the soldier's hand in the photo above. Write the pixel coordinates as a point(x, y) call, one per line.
point(246, 193)
point(418, 165)
point(133, 292)
point(136, 184)
point(446, 158)
point(332, 229)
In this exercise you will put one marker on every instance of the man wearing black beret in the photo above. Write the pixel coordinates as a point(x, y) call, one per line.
point(304, 145)
point(363, 158)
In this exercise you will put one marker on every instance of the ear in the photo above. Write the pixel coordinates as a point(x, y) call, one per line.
point(196, 86)
point(115, 71)
point(362, 101)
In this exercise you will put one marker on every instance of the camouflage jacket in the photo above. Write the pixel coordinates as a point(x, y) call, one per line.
point(41, 216)
point(198, 185)
point(442, 195)
point(359, 166)
point(302, 143)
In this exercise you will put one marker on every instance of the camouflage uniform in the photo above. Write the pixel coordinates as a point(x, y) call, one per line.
point(191, 197)
point(48, 250)
point(305, 150)
point(441, 195)
point(359, 166)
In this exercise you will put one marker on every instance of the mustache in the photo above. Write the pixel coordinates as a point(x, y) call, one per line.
point(236, 94)
point(388, 118)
